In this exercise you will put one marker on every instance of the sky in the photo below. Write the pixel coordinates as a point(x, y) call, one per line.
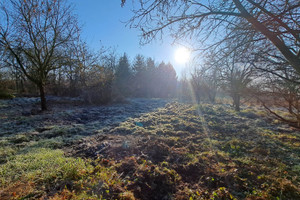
point(103, 25)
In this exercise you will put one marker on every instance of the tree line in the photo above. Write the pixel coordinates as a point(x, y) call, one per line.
point(99, 78)
point(118, 78)
point(42, 50)
point(252, 52)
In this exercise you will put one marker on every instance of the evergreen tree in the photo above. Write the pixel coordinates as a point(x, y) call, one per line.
point(123, 76)
point(139, 65)
point(166, 80)
point(150, 77)
point(140, 75)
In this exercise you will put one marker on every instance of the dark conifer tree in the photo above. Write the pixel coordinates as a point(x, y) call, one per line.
point(140, 75)
point(150, 78)
point(123, 76)
point(166, 80)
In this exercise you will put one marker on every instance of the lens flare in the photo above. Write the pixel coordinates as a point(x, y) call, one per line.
point(182, 55)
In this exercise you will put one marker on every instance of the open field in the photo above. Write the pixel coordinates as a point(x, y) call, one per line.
point(144, 149)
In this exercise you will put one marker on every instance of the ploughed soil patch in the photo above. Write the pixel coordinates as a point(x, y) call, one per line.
point(148, 149)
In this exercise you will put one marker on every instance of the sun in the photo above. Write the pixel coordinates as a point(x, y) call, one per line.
point(182, 55)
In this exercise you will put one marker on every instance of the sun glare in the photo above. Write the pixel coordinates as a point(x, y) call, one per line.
point(182, 55)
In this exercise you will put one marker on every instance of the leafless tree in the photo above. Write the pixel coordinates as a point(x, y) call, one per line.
point(204, 83)
point(99, 76)
point(233, 73)
point(279, 94)
point(80, 66)
point(266, 22)
point(37, 34)
point(236, 77)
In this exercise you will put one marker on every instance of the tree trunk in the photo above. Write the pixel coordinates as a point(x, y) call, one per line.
point(291, 99)
point(290, 106)
point(43, 98)
point(212, 96)
point(236, 102)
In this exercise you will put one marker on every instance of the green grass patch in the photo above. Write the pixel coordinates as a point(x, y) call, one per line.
point(41, 165)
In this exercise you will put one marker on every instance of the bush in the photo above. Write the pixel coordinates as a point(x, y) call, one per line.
point(97, 95)
point(6, 95)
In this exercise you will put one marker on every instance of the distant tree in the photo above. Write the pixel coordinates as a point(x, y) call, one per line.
point(98, 88)
point(139, 64)
point(185, 91)
point(140, 76)
point(197, 84)
point(71, 77)
point(150, 77)
point(150, 64)
point(266, 22)
point(165, 80)
point(9, 64)
point(204, 83)
point(123, 76)
point(81, 61)
point(109, 60)
point(37, 33)
point(99, 85)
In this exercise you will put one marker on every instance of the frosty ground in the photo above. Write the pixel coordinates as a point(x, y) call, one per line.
point(144, 149)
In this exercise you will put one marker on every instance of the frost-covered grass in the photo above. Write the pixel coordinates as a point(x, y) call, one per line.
point(179, 151)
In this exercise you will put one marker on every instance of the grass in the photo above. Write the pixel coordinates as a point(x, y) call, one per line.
point(42, 165)
point(47, 173)
point(176, 152)
point(39, 168)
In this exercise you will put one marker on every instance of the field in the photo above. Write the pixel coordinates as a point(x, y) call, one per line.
point(145, 149)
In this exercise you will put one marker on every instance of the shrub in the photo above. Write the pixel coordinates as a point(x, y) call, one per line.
point(6, 95)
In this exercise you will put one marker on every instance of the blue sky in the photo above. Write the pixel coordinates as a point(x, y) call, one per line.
point(102, 26)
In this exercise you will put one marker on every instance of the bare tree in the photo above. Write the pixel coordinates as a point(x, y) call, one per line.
point(81, 61)
point(37, 33)
point(235, 75)
point(264, 21)
point(279, 94)
point(204, 82)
